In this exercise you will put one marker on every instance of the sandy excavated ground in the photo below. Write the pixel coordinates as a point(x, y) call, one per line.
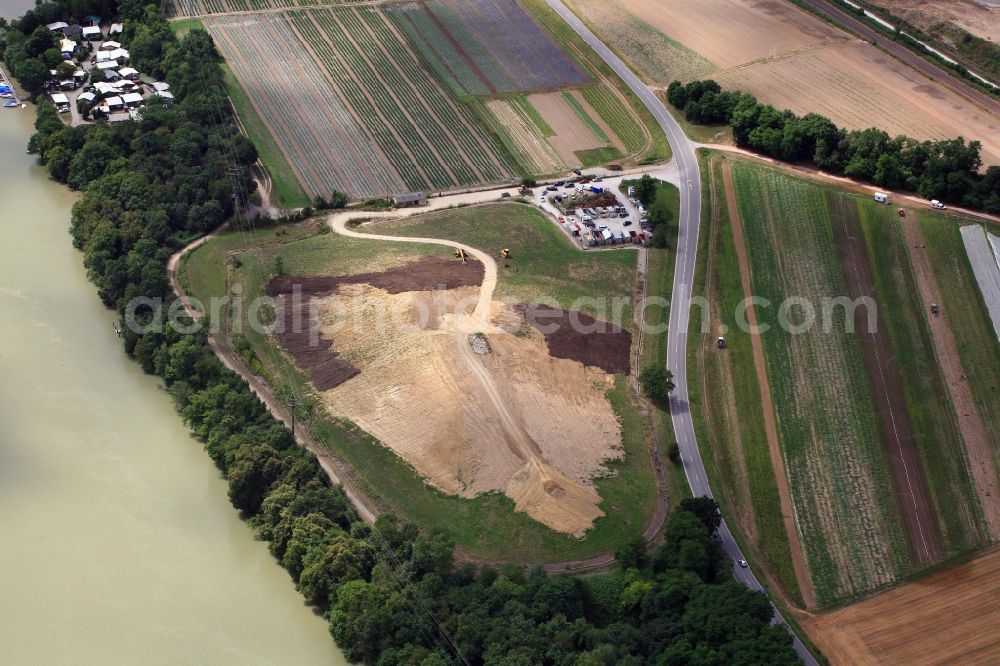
point(792, 59)
point(516, 420)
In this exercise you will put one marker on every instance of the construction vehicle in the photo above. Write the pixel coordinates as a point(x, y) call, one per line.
point(902, 213)
point(935, 309)
point(721, 342)
point(505, 253)
point(460, 254)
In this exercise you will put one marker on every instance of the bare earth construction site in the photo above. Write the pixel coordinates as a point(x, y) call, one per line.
point(515, 419)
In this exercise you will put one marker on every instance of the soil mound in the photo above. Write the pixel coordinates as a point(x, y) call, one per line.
point(579, 337)
point(311, 351)
point(425, 274)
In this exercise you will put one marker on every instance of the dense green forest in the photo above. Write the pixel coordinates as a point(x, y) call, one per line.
point(947, 169)
point(393, 595)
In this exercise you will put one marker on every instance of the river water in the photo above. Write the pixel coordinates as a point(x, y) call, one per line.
point(117, 542)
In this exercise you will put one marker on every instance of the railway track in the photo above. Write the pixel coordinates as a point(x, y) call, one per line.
point(905, 55)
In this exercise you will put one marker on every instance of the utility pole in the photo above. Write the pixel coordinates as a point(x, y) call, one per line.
point(293, 404)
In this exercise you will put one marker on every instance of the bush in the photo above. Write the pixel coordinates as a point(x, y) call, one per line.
point(657, 383)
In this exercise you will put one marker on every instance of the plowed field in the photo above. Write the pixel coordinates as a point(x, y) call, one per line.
point(950, 617)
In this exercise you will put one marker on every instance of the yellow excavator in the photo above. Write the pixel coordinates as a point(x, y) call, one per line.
point(460, 254)
point(505, 253)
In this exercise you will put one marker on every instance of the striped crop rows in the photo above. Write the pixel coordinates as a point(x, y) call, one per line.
point(352, 105)
point(327, 146)
point(488, 46)
point(839, 474)
point(188, 8)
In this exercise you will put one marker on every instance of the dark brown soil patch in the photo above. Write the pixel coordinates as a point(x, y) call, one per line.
point(579, 337)
point(298, 320)
point(298, 333)
point(425, 274)
point(909, 482)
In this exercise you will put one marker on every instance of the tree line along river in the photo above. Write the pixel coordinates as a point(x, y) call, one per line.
point(118, 543)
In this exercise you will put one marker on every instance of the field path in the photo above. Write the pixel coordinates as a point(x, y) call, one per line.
point(969, 422)
point(338, 222)
point(275, 405)
point(770, 426)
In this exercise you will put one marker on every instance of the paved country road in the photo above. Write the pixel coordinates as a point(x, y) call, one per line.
point(687, 253)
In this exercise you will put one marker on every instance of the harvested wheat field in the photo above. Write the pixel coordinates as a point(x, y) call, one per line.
point(950, 617)
point(515, 420)
point(792, 59)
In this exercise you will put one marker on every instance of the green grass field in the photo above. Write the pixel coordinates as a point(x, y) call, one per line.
point(544, 265)
point(485, 527)
point(726, 402)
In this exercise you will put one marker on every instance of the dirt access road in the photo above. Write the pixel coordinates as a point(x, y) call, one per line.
point(770, 426)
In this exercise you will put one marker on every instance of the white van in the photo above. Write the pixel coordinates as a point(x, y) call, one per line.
point(881, 198)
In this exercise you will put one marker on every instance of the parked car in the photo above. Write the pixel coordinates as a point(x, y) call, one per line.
point(627, 223)
point(505, 195)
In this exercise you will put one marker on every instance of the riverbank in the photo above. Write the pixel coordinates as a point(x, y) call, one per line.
point(119, 544)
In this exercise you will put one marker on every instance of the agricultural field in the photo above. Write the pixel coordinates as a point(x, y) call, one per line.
point(838, 470)
point(428, 466)
point(488, 47)
point(791, 59)
point(949, 617)
point(189, 8)
point(877, 464)
point(971, 357)
point(658, 57)
point(387, 124)
point(375, 100)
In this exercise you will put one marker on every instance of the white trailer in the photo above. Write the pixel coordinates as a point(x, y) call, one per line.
point(881, 197)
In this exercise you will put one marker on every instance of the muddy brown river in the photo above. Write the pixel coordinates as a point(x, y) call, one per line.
point(117, 542)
